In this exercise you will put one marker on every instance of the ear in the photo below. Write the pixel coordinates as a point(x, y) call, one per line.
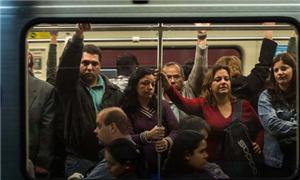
point(113, 127)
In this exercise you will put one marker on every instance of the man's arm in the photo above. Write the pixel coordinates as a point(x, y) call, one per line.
point(200, 66)
point(68, 70)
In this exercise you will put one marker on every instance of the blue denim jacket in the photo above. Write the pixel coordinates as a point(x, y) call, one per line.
point(277, 120)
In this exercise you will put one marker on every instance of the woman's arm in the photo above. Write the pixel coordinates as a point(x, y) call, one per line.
point(189, 106)
point(269, 119)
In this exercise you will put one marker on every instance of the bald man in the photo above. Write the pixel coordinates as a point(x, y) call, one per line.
point(111, 124)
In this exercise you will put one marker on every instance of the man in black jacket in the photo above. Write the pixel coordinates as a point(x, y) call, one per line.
point(83, 92)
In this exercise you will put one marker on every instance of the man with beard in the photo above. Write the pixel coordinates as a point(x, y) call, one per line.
point(83, 92)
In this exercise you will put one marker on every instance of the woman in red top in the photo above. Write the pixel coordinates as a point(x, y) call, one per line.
point(216, 106)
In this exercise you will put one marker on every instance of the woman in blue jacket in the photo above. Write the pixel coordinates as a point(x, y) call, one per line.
point(277, 111)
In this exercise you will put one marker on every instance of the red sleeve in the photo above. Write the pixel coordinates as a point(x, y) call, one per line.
point(189, 106)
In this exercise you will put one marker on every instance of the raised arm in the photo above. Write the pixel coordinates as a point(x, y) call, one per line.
point(68, 70)
point(260, 72)
point(51, 63)
point(200, 66)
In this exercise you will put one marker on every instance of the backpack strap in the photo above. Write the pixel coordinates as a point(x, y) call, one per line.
point(237, 113)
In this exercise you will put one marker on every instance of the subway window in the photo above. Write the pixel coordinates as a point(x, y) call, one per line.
point(166, 100)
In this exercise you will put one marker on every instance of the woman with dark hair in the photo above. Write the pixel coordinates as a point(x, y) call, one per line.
point(217, 107)
point(196, 123)
point(277, 111)
point(187, 156)
point(139, 102)
point(124, 159)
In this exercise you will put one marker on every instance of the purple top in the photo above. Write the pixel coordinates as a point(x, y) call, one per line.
point(143, 120)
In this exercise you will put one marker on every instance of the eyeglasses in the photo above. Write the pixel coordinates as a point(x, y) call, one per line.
point(86, 63)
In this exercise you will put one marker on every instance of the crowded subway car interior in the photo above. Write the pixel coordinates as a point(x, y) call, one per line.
point(149, 89)
point(254, 45)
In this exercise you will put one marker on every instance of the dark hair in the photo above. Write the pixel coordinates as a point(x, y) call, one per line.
point(184, 144)
point(208, 80)
point(30, 60)
point(116, 115)
point(130, 101)
point(92, 49)
point(125, 152)
point(195, 123)
point(126, 64)
point(274, 90)
point(187, 68)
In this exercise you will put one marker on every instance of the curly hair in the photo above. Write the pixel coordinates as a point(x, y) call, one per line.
point(233, 62)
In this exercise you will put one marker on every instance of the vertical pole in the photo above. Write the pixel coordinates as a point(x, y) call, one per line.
point(159, 90)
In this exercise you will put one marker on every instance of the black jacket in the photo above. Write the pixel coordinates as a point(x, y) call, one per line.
point(249, 87)
point(79, 112)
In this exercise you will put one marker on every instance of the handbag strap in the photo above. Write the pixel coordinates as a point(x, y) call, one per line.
point(236, 116)
point(237, 111)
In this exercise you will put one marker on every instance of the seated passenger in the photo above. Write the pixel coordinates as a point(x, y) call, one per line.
point(140, 103)
point(277, 111)
point(123, 159)
point(217, 106)
point(249, 87)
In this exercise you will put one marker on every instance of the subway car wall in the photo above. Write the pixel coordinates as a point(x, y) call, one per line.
point(18, 18)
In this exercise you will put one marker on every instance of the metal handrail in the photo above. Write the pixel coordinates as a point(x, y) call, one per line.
point(165, 27)
point(140, 39)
